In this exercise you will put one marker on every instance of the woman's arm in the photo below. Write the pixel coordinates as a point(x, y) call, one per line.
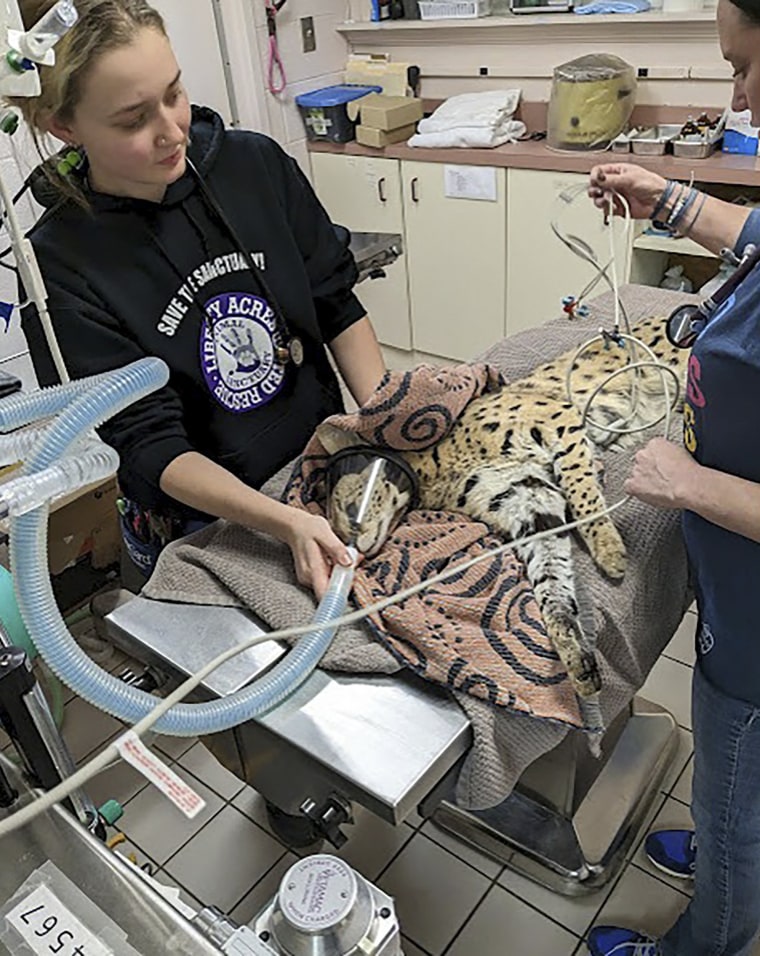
point(717, 225)
point(666, 476)
point(199, 482)
point(359, 359)
point(332, 274)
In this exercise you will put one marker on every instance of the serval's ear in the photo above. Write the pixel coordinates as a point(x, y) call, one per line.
point(336, 439)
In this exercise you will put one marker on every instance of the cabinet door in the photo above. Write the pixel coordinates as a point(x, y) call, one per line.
point(360, 192)
point(364, 195)
point(541, 269)
point(457, 261)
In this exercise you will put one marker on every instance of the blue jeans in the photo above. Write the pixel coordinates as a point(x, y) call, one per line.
point(723, 918)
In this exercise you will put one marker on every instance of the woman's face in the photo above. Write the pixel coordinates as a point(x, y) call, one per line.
point(133, 119)
point(740, 45)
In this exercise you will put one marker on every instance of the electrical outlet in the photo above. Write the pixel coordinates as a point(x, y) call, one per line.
point(308, 36)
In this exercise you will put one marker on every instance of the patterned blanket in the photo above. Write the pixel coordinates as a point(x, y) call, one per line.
point(481, 631)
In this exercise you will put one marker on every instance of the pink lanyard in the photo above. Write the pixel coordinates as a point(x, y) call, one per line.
point(275, 65)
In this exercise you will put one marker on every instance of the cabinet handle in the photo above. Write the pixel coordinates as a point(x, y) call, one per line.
point(381, 189)
point(415, 192)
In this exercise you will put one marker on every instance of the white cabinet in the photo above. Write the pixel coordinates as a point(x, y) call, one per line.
point(475, 270)
point(456, 262)
point(446, 296)
point(651, 256)
point(541, 271)
point(364, 195)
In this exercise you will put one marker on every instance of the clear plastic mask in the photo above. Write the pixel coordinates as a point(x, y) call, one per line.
point(369, 490)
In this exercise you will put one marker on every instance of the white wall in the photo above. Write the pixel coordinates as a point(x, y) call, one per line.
point(305, 71)
point(17, 159)
point(192, 30)
point(680, 51)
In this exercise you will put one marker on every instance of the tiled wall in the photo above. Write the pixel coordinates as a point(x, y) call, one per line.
point(305, 71)
point(14, 356)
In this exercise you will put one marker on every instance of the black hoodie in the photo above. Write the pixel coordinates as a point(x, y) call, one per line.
point(133, 278)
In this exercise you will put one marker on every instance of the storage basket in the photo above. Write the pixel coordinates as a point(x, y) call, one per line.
point(454, 9)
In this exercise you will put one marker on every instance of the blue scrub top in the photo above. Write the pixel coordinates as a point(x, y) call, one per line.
point(722, 431)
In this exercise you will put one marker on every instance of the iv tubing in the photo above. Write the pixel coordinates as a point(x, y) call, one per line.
point(52, 638)
point(581, 249)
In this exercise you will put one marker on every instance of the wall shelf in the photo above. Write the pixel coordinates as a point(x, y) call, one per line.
point(640, 27)
point(682, 246)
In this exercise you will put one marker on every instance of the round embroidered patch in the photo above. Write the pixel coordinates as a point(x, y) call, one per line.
point(238, 348)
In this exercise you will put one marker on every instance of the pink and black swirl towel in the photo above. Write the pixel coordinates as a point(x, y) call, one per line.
point(481, 631)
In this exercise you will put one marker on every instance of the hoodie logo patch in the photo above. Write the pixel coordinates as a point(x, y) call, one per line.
point(238, 351)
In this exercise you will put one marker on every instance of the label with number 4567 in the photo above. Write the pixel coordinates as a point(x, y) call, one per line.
point(48, 927)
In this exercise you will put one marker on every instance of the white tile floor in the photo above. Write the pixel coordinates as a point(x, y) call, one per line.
point(451, 899)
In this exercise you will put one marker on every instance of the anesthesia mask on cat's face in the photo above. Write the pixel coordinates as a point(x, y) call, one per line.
point(369, 490)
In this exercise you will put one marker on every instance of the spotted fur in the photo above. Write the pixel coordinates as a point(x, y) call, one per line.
point(521, 461)
point(368, 530)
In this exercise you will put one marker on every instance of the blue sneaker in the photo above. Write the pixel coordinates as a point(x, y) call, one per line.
point(673, 851)
point(616, 941)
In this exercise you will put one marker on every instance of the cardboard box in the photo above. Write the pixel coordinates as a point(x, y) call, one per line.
point(83, 524)
point(88, 524)
point(368, 136)
point(390, 112)
point(375, 69)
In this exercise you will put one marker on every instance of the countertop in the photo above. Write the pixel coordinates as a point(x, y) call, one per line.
point(719, 168)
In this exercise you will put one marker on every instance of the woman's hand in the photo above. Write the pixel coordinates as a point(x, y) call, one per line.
point(316, 548)
point(641, 188)
point(662, 473)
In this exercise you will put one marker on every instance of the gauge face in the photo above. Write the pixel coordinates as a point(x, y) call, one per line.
point(684, 326)
point(318, 893)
